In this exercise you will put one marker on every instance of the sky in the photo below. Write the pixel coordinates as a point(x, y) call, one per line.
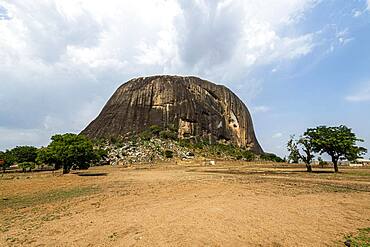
point(296, 64)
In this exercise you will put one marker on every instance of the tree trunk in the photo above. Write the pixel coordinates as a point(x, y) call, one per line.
point(335, 163)
point(336, 166)
point(309, 168)
point(65, 169)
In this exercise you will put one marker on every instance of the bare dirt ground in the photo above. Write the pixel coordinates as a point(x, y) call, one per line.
point(184, 204)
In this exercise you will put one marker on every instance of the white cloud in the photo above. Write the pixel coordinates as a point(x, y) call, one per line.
point(343, 37)
point(362, 95)
point(368, 5)
point(356, 13)
point(17, 137)
point(261, 108)
point(60, 60)
point(277, 135)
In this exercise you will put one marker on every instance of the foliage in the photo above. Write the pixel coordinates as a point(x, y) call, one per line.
point(45, 156)
point(27, 165)
point(338, 142)
point(168, 154)
point(271, 157)
point(8, 159)
point(293, 150)
point(219, 149)
point(69, 150)
point(305, 144)
point(101, 153)
point(146, 135)
point(24, 154)
point(168, 134)
point(155, 129)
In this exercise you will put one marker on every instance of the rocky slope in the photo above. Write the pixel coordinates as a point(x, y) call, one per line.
point(197, 109)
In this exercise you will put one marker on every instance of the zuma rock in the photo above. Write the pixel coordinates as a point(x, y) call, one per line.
point(196, 108)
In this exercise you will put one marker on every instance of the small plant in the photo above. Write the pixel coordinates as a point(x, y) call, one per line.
point(361, 239)
point(168, 154)
point(146, 135)
point(155, 129)
point(168, 134)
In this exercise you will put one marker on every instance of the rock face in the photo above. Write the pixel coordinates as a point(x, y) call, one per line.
point(197, 108)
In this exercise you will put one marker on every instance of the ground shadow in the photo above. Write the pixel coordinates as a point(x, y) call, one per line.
point(91, 174)
point(315, 171)
point(236, 172)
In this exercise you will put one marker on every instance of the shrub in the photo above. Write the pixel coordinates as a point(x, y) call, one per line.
point(271, 157)
point(26, 165)
point(146, 135)
point(168, 154)
point(155, 129)
point(168, 134)
point(248, 155)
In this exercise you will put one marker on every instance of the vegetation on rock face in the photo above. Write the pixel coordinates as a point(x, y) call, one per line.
point(155, 143)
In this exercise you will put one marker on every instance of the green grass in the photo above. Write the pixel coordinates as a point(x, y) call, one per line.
point(40, 198)
point(361, 239)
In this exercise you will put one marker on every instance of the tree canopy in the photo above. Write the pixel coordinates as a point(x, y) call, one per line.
point(338, 142)
point(68, 150)
point(7, 158)
point(24, 154)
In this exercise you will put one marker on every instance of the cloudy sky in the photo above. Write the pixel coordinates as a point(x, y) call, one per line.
point(295, 63)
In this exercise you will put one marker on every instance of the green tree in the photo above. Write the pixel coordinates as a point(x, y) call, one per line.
point(7, 158)
point(338, 142)
point(305, 144)
point(69, 150)
point(24, 154)
point(45, 156)
point(292, 147)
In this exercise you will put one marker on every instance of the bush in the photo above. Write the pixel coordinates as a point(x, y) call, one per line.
point(155, 129)
point(271, 157)
point(146, 135)
point(27, 165)
point(168, 134)
point(168, 154)
point(248, 155)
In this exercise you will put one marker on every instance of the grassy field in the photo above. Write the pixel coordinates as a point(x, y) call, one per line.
point(187, 203)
